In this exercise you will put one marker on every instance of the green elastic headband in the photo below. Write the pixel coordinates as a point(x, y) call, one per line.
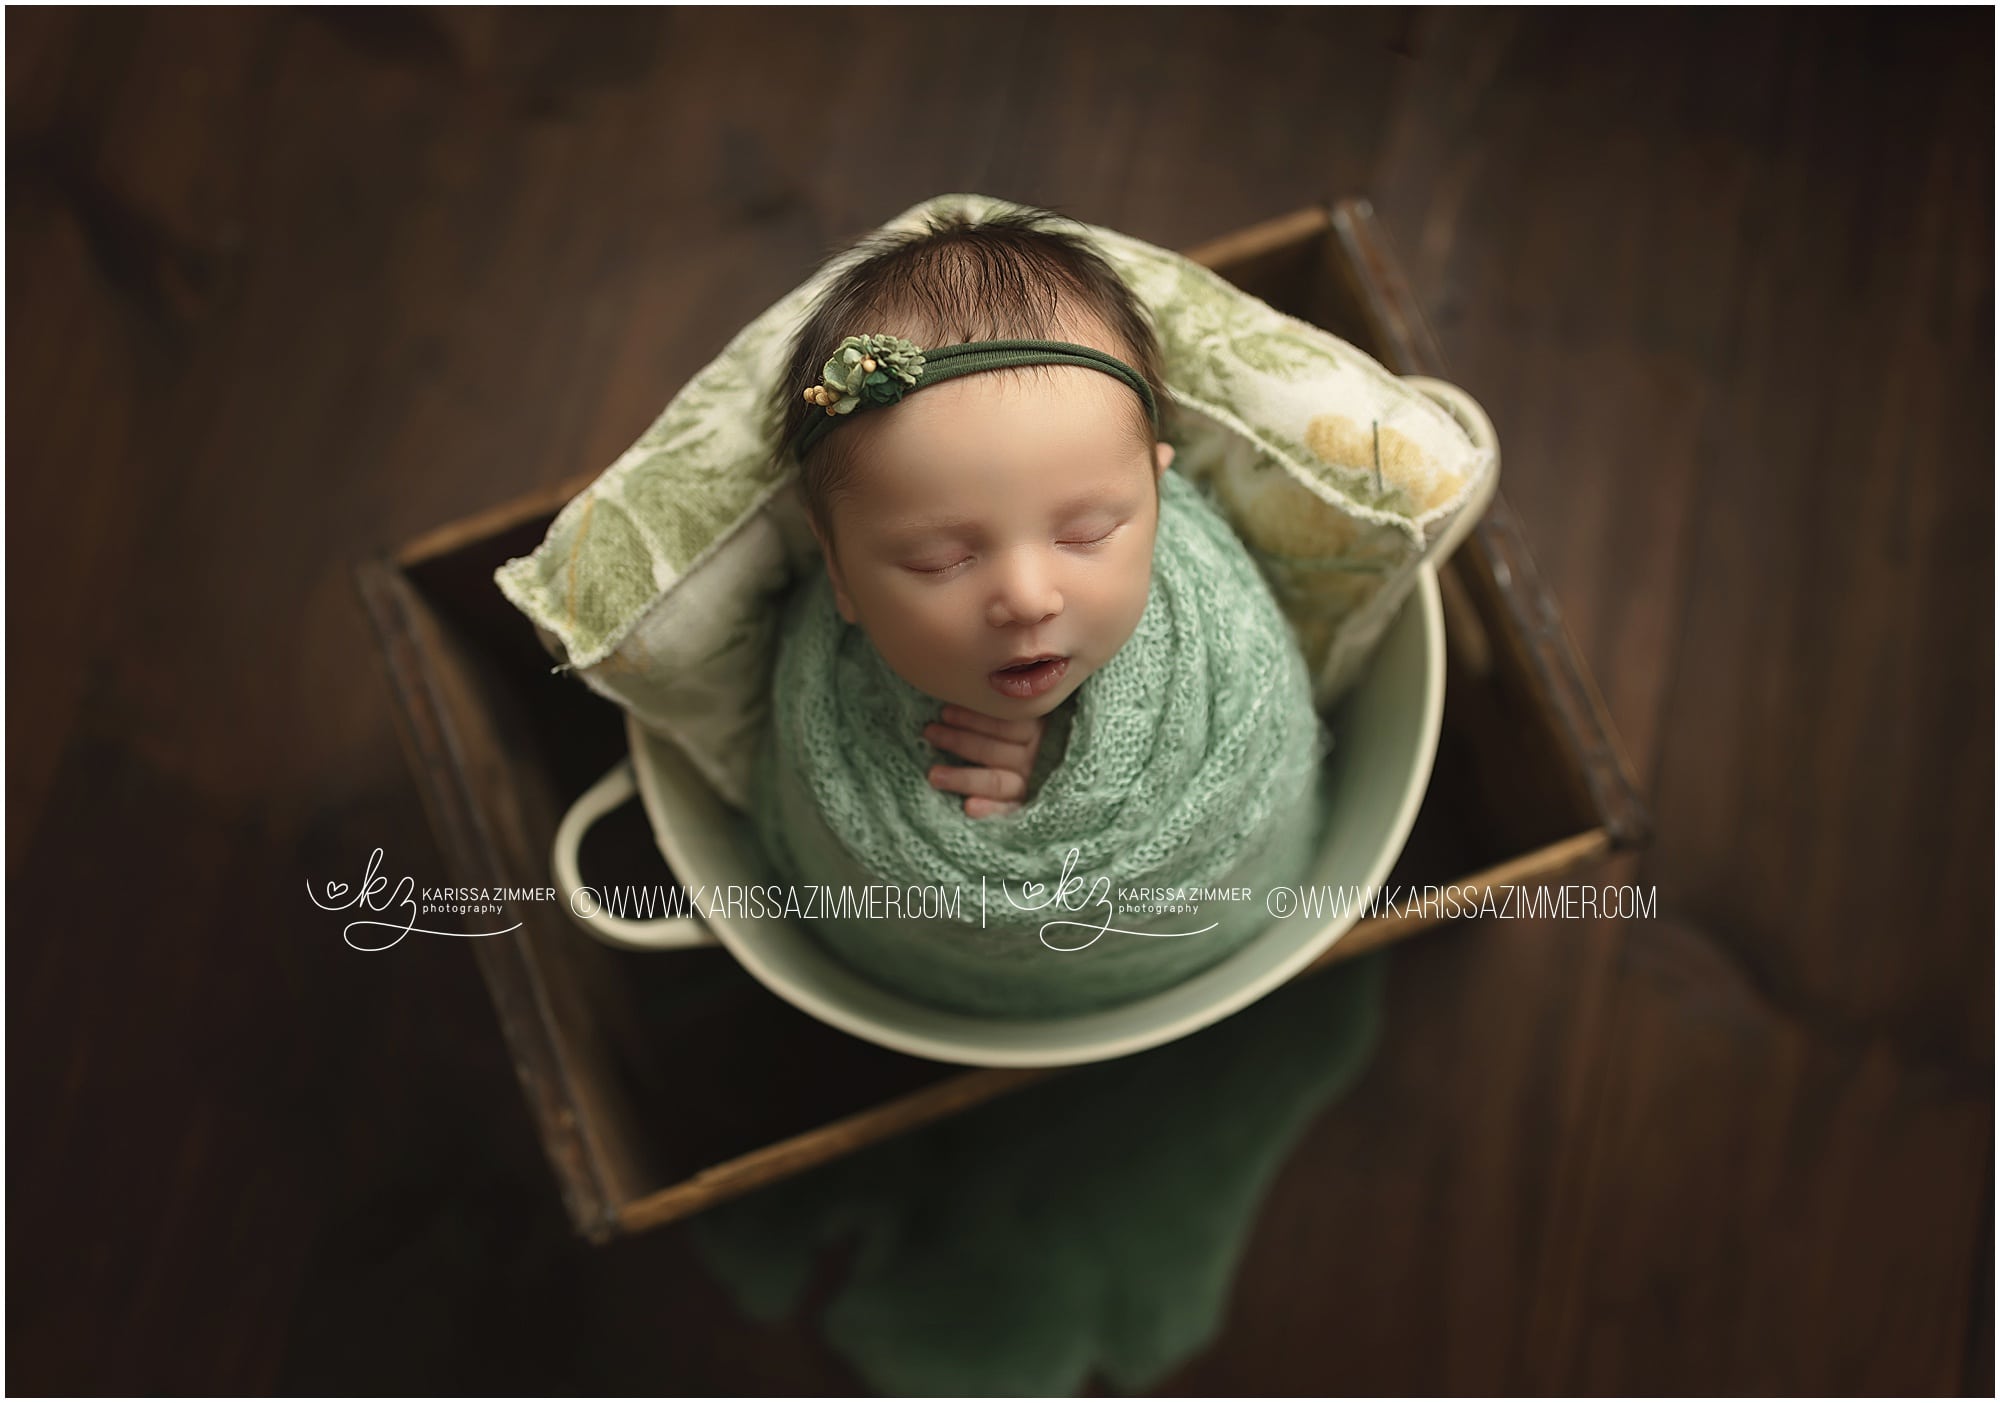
point(869, 371)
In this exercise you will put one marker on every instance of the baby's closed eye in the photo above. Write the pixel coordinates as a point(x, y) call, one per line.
point(1093, 540)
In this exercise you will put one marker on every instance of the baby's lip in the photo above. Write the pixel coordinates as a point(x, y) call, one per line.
point(1027, 683)
point(1025, 658)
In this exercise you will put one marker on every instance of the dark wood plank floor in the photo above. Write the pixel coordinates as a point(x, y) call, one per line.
point(288, 287)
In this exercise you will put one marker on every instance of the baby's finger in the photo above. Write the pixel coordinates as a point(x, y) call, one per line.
point(1020, 732)
point(986, 784)
point(988, 808)
point(979, 749)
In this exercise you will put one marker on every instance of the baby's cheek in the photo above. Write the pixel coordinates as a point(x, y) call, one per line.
point(1136, 586)
point(915, 638)
point(932, 629)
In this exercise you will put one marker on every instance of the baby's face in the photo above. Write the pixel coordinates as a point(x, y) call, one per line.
point(994, 518)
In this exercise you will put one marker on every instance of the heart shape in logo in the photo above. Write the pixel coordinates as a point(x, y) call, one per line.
point(1031, 893)
point(335, 890)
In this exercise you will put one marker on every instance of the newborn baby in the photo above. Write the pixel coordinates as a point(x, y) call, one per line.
point(974, 410)
point(993, 536)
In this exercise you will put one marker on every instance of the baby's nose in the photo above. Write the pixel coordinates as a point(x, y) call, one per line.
point(1026, 593)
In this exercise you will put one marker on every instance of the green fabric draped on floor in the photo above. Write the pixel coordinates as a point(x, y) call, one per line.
point(1086, 1226)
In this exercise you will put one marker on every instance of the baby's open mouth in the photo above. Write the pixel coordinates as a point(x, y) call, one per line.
point(1029, 679)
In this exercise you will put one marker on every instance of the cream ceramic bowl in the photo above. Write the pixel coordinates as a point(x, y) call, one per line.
point(1385, 737)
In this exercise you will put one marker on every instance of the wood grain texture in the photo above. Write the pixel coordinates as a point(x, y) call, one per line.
point(290, 287)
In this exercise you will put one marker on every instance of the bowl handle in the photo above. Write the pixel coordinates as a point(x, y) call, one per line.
point(659, 933)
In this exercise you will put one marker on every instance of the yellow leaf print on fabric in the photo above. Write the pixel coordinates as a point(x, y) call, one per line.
point(1275, 515)
point(1364, 448)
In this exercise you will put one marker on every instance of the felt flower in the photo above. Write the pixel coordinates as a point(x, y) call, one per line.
point(871, 370)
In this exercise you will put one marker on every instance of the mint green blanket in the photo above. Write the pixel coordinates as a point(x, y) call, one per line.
point(1185, 765)
point(1085, 1229)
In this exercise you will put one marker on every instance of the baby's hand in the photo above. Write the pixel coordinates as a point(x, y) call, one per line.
point(1002, 755)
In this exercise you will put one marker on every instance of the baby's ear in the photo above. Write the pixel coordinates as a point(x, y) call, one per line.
point(840, 599)
point(1163, 457)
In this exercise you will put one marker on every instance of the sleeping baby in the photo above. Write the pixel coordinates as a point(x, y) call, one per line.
point(1026, 617)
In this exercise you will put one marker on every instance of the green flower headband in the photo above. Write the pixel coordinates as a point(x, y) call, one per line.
point(871, 371)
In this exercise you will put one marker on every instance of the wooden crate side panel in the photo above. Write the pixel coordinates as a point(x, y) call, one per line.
point(1496, 553)
point(551, 1039)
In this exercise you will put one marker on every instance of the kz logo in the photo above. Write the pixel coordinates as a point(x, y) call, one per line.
point(370, 898)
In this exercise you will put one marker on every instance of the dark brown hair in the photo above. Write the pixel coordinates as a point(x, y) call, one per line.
point(957, 280)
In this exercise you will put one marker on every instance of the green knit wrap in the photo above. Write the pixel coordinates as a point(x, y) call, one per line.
point(1187, 761)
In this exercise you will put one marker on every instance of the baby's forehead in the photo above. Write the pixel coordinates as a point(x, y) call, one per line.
point(1083, 407)
point(899, 504)
point(1019, 491)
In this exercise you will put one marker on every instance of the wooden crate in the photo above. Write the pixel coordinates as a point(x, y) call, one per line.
point(663, 1083)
